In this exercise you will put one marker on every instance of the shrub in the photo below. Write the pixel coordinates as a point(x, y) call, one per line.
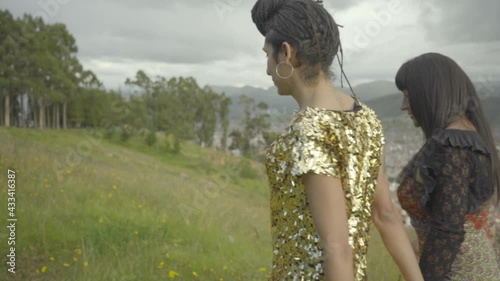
point(246, 170)
point(150, 138)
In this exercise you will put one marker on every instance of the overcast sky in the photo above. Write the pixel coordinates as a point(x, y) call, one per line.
point(216, 42)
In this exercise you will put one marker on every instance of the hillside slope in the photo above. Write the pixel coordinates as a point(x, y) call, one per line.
point(89, 208)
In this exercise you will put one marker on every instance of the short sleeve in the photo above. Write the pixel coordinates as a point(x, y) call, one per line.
point(314, 151)
point(468, 150)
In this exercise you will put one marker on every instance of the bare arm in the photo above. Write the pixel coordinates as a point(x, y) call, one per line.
point(388, 222)
point(328, 208)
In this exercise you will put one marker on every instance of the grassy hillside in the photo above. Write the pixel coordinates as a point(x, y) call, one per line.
point(94, 209)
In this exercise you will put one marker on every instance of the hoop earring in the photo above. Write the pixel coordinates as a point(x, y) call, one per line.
point(278, 73)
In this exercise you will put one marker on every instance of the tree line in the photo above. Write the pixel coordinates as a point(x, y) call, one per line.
point(43, 85)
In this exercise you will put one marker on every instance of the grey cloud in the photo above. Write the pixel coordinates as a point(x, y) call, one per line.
point(459, 21)
point(341, 4)
point(216, 41)
point(161, 31)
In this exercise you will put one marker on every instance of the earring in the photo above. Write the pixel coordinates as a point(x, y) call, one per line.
point(278, 73)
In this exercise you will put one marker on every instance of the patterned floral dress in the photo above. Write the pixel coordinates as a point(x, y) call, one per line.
point(343, 144)
point(446, 191)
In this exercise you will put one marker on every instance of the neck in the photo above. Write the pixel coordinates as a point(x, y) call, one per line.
point(313, 95)
point(462, 123)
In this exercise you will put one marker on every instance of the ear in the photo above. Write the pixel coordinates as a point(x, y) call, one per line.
point(290, 53)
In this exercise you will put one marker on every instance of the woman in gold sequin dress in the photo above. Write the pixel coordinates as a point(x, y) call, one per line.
point(449, 184)
point(325, 174)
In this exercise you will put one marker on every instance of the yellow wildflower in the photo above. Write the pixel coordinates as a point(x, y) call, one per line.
point(161, 264)
point(44, 268)
point(172, 274)
point(66, 264)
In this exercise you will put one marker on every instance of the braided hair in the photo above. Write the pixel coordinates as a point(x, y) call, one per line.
point(304, 24)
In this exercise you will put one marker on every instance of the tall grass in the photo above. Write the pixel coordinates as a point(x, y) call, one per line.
point(91, 209)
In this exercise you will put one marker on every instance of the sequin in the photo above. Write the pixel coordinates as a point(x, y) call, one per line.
point(346, 145)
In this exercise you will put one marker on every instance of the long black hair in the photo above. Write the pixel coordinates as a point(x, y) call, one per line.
point(304, 24)
point(440, 91)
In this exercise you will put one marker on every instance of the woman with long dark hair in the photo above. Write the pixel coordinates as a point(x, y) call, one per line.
point(449, 185)
point(325, 172)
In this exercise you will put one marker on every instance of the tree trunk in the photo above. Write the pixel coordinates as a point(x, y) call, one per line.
point(52, 111)
point(23, 119)
point(41, 113)
point(34, 109)
point(1, 114)
point(65, 104)
point(52, 120)
point(48, 114)
point(57, 116)
point(7, 111)
point(50, 117)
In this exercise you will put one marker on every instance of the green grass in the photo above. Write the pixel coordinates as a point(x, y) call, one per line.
point(92, 209)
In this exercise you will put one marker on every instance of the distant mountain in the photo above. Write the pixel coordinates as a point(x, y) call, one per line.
point(382, 96)
point(373, 90)
point(277, 103)
point(287, 105)
point(376, 89)
point(365, 91)
point(386, 106)
point(389, 107)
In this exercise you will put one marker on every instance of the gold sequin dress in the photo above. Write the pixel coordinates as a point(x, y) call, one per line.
point(343, 144)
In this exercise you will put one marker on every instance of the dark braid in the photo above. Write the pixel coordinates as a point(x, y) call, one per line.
point(340, 59)
point(306, 25)
point(263, 11)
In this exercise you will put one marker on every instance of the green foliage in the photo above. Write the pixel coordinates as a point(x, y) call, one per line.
point(269, 137)
point(109, 133)
point(125, 134)
point(246, 170)
point(167, 147)
point(150, 139)
point(225, 102)
point(178, 106)
point(177, 145)
point(38, 63)
point(255, 124)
